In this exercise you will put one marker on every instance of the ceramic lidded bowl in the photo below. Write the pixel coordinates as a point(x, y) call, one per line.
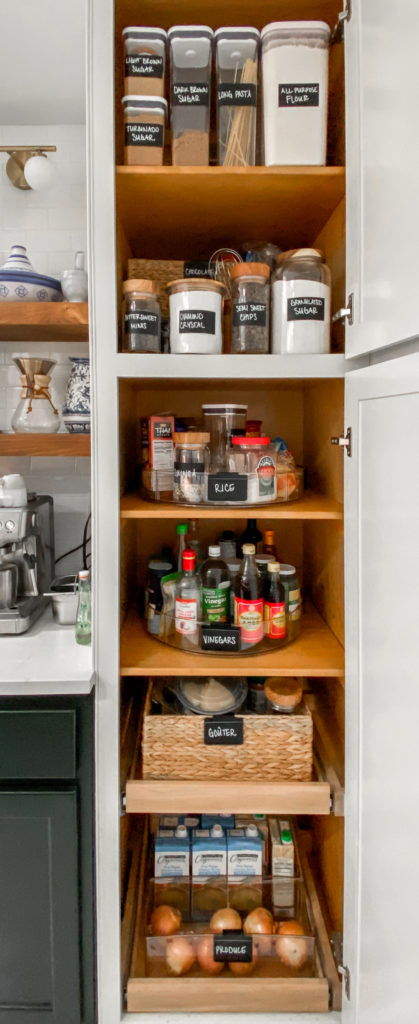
point(19, 282)
point(76, 411)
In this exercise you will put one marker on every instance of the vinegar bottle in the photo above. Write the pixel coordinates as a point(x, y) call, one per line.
point(187, 598)
point(84, 609)
point(216, 581)
point(248, 602)
point(274, 604)
point(269, 545)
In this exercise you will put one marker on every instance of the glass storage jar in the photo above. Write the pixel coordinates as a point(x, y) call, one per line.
point(250, 307)
point(295, 59)
point(301, 303)
point(237, 78)
point(141, 321)
point(256, 457)
point(190, 93)
point(35, 412)
point(195, 306)
point(144, 123)
point(221, 420)
point(191, 467)
point(145, 60)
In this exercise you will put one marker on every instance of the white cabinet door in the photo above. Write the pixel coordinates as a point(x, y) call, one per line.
point(382, 156)
point(382, 693)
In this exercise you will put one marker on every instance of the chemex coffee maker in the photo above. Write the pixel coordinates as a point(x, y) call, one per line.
point(27, 558)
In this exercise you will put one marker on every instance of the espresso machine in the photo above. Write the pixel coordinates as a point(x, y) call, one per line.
point(27, 557)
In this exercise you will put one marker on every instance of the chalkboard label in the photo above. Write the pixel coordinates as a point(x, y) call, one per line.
point(237, 95)
point(233, 947)
point(305, 308)
point(142, 323)
point(218, 637)
point(295, 95)
point(223, 732)
point(196, 268)
point(143, 134)
point(146, 64)
point(227, 487)
point(190, 94)
point(249, 313)
point(201, 321)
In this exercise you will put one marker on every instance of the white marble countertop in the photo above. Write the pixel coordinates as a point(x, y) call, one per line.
point(45, 661)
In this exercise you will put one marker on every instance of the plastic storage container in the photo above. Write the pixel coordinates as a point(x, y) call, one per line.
point(301, 295)
point(144, 120)
point(250, 307)
point(141, 320)
point(256, 457)
point(237, 78)
point(295, 57)
point(192, 460)
point(221, 420)
point(211, 696)
point(145, 60)
point(195, 306)
point(190, 90)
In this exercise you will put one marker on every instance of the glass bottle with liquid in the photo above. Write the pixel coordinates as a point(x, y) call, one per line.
point(275, 619)
point(248, 603)
point(181, 543)
point(251, 535)
point(84, 609)
point(187, 598)
point(216, 583)
point(269, 545)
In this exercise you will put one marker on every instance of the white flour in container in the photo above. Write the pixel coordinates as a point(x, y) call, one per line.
point(295, 85)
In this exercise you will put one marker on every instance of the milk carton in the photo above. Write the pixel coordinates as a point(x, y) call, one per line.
point(282, 861)
point(209, 852)
point(172, 853)
point(261, 822)
point(225, 820)
point(244, 852)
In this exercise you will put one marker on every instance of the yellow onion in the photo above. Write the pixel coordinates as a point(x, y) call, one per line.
point(165, 920)
point(225, 919)
point(180, 955)
point(259, 922)
point(242, 969)
point(205, 956)
point(290, 947)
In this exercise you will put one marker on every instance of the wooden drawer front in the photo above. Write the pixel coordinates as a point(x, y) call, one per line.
point(37, 744)
point(228, 995)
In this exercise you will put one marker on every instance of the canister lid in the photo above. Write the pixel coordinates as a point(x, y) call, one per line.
point(191, 437)
point(301, 254)
point(244, 441)
point(296, 27)
point(284, 693)
point(138, 284)
point(250, 270)
point(237, 32)
point(193, 284)
point(145, 103)
point(287, 570)
point(214, 551)
point(221, 410)
point(193, 31)
point(248, 549)
point(274, 566)
point(144, 32)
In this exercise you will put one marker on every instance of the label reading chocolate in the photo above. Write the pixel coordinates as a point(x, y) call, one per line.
point(196, 268)
point(293, 95)
point(190, 94)
point(220, 638)
point(233, 947)
point(200, 321)
point(249, 313)
point(143, 134)
point(305, 308)
point(142, 323)
point(227, 487)
point(146, 64)
point(237, 95)
point(223, 732)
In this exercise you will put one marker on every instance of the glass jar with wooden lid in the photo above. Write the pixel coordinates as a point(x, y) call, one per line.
point(283, 694)
point(192, 460)
point(196, 305)
point(250, 307)
point(141, 320)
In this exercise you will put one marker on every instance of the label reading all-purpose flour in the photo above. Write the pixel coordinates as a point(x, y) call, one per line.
point(190, 94)
point(305, 308)
point(146, 64)
point(142, 323)
point(143, 134)
point(249, 313)
point(197, 321)
point(237, 95)
point(295, 95)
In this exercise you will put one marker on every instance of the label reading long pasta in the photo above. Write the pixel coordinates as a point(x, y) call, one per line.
point(235, 95)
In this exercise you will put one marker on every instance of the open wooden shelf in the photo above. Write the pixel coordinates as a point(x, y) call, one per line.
point(168, 796)
point(213, 12)
point(44, 321)
point(311, 506)
point(315, 653)
point(75, 445)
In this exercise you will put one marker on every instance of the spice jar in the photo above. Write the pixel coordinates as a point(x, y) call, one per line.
point(283, 695)
point(221, 420)
point(250, 307)
point(301, 303)
point(237, 77)
point(191, 467)
point(256, 457)
point(140, 316)
point(144, 120)
point(145, 60)
point(291, 585)
point(196, 315)
point(190, 91)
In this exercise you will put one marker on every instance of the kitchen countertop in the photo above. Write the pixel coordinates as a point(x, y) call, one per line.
point(45, 661)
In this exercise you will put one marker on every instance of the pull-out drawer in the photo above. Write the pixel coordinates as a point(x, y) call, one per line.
point(37, 744)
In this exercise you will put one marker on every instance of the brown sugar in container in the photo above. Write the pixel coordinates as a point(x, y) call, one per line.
point(144, 124)
point(145, 60)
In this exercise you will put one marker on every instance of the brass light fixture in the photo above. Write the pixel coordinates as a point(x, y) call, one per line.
point(18, 157)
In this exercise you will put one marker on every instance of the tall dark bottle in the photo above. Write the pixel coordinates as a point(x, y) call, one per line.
point(215, 579)
point(251, 535)
point(274, 604)
point(248, 601)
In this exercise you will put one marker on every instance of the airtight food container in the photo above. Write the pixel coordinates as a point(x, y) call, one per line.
point(301, 299)
point(221, 420)
point(237, 84)
point(190, 93)
point(195, 306)
point(145, 60)
point(144, 125)
point(211, 696)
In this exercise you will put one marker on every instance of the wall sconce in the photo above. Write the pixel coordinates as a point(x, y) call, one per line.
point(28, 166)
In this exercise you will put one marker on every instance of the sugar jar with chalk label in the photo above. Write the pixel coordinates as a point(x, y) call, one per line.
point(301, 304)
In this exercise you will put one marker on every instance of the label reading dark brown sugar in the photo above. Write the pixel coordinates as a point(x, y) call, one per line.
point(142, 323)
point(249, 313)
point(196, 268)
point(190, 94)
point(305, 308)
point(227, 487)
point(200, 321)
point(143, 134)
point(237, 95)
point(233, 947)
point(149, 65)
point(296, 95)
point(220, 638)
point(223, 732)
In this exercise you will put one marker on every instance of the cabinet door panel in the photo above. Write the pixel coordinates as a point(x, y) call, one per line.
point(382, 693)
point(382, 155)
point(39, 912)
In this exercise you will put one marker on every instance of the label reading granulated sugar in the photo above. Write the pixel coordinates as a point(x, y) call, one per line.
point(296, 95)
point(305, 308)
point(237, 95)
point(146, 64)
point(196, 320)
point(143, 134)
point(249, 313)
point(190, 94)
point(141, 323)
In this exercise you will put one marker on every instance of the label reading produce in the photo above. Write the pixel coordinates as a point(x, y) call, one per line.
point(190, 94)
point(196, 268)
point(220, 638)
point(305, 308)
point(233, 947)
point(249, 313)
point(223, 732)
point(216, 602)
point(249, 616)
point(142, 323)
point(237, 95)
point(296, 95)
point(275, 620)
point(266, 477)
point(146, 64)
point(227, 487)
point(143, 134)
point(198, 321)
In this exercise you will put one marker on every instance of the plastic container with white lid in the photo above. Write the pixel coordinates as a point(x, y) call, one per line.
point(237, 84)
point(144, 120)
point(295, 60)
point(301, 299)
point(190, 92)
point(211, 696)
point(145, 60)
point(221, 419)
point(196, 306)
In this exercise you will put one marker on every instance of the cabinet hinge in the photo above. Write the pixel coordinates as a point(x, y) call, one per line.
point(346, 313)
point(346, 978)
point(337, 950)
point(344, 441)
point(345, 15)
point(122, 809)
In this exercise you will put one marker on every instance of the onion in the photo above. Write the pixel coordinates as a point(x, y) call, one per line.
point(225, 919)
point(241, 968)
point(259, 922)
point(165, 920)
point(180, 955)
point(205, 955)
point(290, 947)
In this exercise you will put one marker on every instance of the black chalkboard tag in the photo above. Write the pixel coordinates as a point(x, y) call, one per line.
point(219, 637)
point(196, 268)
point(227, 487)
point(233, 947)
point(226, 731)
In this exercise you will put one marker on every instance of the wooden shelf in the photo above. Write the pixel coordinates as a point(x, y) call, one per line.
point(315, 653)
point(44, 321)
point(311, 506)
point(75, 445)
point(213, 12)
point(206, 205)
point(168, 796)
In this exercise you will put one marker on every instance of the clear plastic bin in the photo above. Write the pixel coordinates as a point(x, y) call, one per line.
point(237, 83)
point(145, 60)
point(144, 125)
point(190, 89)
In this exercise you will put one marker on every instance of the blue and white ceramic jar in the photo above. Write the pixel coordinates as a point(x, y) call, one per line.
point(76, 411)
